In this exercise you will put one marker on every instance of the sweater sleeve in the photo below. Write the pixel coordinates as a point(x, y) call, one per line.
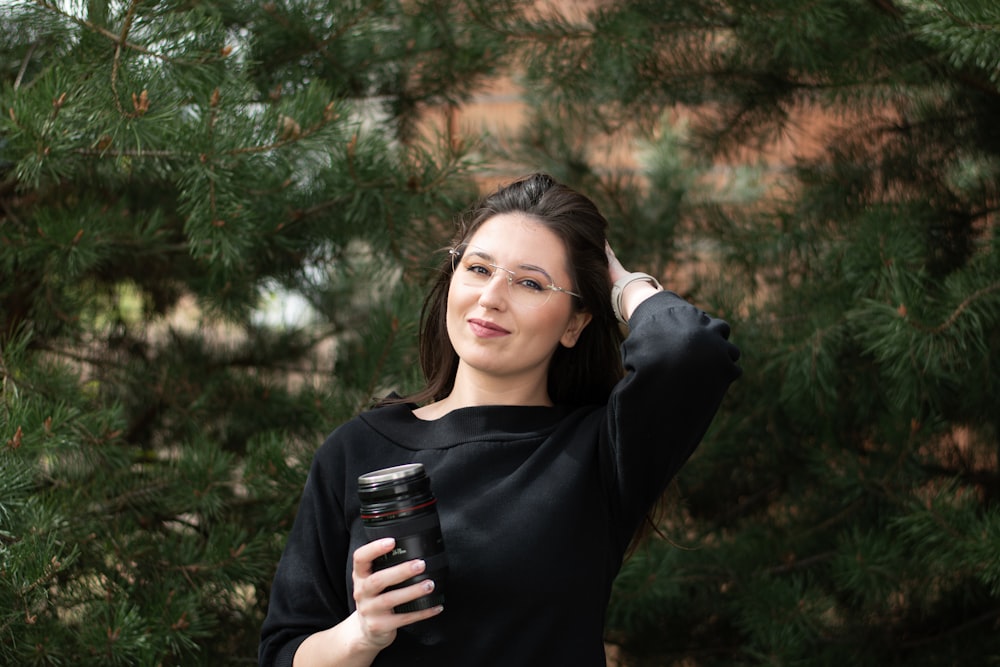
point(678, 365)
point(306, 595)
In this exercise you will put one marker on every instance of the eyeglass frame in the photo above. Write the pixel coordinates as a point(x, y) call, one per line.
point(456, 255)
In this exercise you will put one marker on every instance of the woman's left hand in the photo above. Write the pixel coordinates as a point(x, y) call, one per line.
point(615, 267)
point(635, 291)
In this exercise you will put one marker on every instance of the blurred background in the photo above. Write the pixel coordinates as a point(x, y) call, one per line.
point(218, 219)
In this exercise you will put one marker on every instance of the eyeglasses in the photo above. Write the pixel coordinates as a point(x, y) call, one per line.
point(531, 286)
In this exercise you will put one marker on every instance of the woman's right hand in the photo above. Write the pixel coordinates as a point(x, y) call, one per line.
point(357, 640)
point(377, 621)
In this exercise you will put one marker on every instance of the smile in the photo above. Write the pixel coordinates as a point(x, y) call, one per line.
point(484, 329)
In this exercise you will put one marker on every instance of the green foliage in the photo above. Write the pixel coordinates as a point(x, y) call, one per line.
point(822, 175)
point(843, 508)
point(163, 167)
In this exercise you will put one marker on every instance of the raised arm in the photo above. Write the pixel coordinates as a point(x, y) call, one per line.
point(679, 364)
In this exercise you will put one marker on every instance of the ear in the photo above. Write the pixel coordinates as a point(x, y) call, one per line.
point(577, 322)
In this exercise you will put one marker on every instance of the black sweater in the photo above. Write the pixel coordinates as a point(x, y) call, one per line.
point(537, 504)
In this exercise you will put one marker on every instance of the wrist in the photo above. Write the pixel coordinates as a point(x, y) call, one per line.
point(623, 307)
point(344, 644)
point(363, 644)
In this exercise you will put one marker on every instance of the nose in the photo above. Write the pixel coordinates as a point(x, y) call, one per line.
point(496, 290)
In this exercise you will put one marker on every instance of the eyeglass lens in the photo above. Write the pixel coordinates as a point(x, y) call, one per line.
point(475, 268)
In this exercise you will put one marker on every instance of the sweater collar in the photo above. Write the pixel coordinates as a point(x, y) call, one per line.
point(496, 423)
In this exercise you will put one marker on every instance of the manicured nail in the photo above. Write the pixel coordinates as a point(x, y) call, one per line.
point(438, 609)
point(417, 566)
point(387, 543)
point(428, 585)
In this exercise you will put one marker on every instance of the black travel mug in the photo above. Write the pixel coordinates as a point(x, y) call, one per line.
point(397, 502)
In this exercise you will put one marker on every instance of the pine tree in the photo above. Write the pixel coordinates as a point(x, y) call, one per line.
point(168, 163)
point(168, 172)
point(845, 506)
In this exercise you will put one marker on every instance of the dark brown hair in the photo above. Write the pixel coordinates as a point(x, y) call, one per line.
point(582, 374)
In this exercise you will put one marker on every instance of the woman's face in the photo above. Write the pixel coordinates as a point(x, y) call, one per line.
point(496, 333)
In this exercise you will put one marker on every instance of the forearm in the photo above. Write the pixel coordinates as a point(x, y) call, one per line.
point(634, 294)
point(343, 645)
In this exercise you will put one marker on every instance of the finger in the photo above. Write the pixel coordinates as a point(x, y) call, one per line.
point(372, 599)
point(423, 614)
point(367, 553)
point(397, 574)
point(395, 598)
point(380, 622)
point(614, 264)
point(371, 586)
point(617, 271)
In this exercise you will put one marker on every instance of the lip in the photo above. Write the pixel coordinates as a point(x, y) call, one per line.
point(485, 329)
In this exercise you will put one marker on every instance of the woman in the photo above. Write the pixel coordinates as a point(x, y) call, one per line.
point(545, 444)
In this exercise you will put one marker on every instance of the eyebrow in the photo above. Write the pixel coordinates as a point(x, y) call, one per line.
point(479, 252)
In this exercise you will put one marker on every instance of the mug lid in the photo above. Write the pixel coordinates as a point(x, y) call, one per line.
point(393, 474)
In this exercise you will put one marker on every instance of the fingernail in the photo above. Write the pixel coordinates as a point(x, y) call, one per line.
point(428, 585)
point(438, 609)
point(417, 566)
point(387, 543)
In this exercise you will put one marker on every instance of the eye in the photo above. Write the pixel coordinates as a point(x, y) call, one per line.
point(530, 284)
point(478, 269)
